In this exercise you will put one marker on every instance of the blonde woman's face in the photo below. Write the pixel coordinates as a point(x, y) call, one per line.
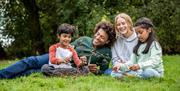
point(121, 26)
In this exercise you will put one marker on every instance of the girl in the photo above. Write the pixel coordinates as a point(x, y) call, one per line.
point(123, 46)
point(146, 60)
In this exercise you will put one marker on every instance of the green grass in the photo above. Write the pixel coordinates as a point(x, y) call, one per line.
point(39, 82)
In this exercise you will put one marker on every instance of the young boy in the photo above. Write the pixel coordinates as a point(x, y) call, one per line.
point(60, 54)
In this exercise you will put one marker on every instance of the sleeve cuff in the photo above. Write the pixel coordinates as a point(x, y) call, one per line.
point(140, 65)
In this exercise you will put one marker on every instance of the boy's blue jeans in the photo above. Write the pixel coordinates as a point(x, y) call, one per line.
point(25, 66)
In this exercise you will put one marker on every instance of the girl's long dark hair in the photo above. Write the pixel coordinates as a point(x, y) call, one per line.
point(145, 23)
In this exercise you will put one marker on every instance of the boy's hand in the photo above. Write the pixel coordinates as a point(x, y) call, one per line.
point(67, 59)
point(59, 61)
point(83, 60)
point(134, 67)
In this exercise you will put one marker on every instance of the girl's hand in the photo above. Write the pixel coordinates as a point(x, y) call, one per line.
point(116, 67)
point(134, 67)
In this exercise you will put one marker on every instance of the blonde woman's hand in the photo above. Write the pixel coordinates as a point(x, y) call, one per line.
point(116, 67)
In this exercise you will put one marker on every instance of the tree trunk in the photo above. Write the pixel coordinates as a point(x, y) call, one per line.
point(2, 53)
point(34, 24)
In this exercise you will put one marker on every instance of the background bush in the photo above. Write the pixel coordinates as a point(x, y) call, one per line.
point(33, 23)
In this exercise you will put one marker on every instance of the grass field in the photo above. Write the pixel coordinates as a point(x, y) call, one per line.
point(39, 82)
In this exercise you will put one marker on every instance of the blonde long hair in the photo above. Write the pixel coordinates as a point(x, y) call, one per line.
point(127, 19)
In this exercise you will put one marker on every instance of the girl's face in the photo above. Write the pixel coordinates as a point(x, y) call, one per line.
point(64, 39)
point(122, 26)
point(142, 33)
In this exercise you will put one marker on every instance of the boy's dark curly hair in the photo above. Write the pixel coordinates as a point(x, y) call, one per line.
point(109, 29)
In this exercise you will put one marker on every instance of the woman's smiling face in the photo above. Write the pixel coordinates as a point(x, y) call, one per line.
point(121, 26)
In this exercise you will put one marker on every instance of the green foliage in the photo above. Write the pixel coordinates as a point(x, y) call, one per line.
point(30, 36)
point(21, 22)
point(14, 25)
point(39, 82)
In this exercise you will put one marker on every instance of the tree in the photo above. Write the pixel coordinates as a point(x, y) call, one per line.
point(22, 22)
point(2, 52)
point(36, 35)
point(33, 23)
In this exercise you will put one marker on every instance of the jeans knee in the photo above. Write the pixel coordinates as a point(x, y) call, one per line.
point(31, 62)
point(47, 67)
point(29, 59)
point(149, 73)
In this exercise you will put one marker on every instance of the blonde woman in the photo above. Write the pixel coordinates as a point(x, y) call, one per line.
point(123, 46)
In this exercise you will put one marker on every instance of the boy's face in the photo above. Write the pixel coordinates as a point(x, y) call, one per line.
point(100, 38)
point(64, 39)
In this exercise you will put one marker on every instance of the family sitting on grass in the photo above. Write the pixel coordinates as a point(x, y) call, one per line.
point(133, 50)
